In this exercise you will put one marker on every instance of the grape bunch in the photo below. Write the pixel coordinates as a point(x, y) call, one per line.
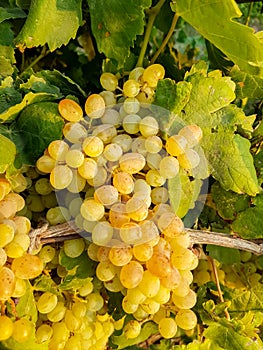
point(110, 175)
point(16, 265)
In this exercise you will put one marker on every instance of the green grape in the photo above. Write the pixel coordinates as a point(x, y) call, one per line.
point(186, 319)
point(153, 144)
point(91, 210)
point(49, 200)
point(131, 106)
point(43, 186)
point(74, 206)
point(43, 333)
point(131, 274)
point(112, 152)
point(123, 182)
point(7, 283)
point(106, 195)
point(137, 209)
point(154, 178)
point(7, 234)
point(95, 106)
point(192, 133)
point(138, 146)
point(61, 271)
point(92, 146)
point(72, 322)
point(118, 215)
point(150, 306)
point(167, 327)
point(176, 145)
point(108, 97)
point(106, 132)
point(124, 141)
point(169, 167)
point(153, 161)
point(120, 255)
point(27, 266)
point(189, 159)
point(149, 284)
point(136, 73)
point(57, 215)
point(99, 179)
point(132, 329)
point(159, 195)
point(74, 132)
point(143, 252)
point(130, 233)
point(61, 176)
point(170, 224)
point(131, 123)
point(108, 81)
point(131, 88)
point(94, 302)
point(79, 309)
point(105, 271)
point(57, 313)
point(74, 247)
point(45, 164)
point(19, 182)
point(23, 328)
point(245, 256)
point(186, 302)
point(47, 302)
point(128, 307)
point(70, 110)
point(132, 163)
point(140, 314)
point(88, 169)
point(6, 327)
point(149, 126)
point(60, 332)
point(34, 203)
point(74, 158)
point(111, 116)
point(3, 257)
point(102, 233)
point(152, 74)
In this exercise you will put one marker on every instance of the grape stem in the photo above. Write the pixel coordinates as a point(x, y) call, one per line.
point(220, 294)
point(166, 39)
point(153, 12)
point(59, 233)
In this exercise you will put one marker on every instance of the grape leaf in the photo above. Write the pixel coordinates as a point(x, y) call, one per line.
point(246, 300)
point(224, 255)
point(247, 85)
point(115, 33)
point(45, 283)
point(7, 56)
point(214, 20)
point(53, 22)
point(248, 223)
point(11, 12)
point(26, 306)
point(9, 96)
point(37, 125)
point(228, 335)
point(7, 153)
point(147, 330)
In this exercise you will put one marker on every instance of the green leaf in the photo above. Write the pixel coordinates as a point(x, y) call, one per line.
point(147, 330)
point(26, 306)
point(247, 85)
point(214, 20)
point(9, 96)
point(248, 223)
point(8, 13)
point(7, 153)
point(52, 22)
point(224, 334)
point(183, 193)
point(116, 33)
point(243, 301)
point(37, 125)
point(12, 112)
point(228, 204)
point(224, 255)
point(45, 283)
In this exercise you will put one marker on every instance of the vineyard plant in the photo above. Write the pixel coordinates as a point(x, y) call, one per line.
point(131, 172)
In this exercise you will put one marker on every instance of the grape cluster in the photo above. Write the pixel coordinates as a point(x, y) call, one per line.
point(16, 265)
point(110, 175)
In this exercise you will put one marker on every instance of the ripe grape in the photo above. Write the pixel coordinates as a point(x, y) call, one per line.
point(3, 257)
point(120, 255)
point(94, 302)
point(159, 195)
point(143, 251)
point(167, 327)
point(131, 274)
point(130, 233)
point(91, 210)
point(131, 123)
point(23, 329)
point(102, 233)
point(137, 209)
point(132, 163)
point(123, 140)
point(131, 106)
point(150, 306)
point(95, 106)
point(154, 178)
point(74, 158)
point(106, 195)
point(27, 266)
point(70, 110)
point(153, 144)
point(108, 97)
point(93, 146)
point(72, 322)
point(148, 126)
point(58, 149)
point(57, 313)
point(189, 159)
point(57, 215)
point(74, 132)
point(47, 302)
point(186, 319)
point(132, 329)
point(111, 116)
point(118, 215)
point(128, 306)
point(131, 88)
point(192, 133)
point(149, 284)
point(6, 327)
point(7, 283)
point(170, 224)
point(135, 296)
point(7, 234)
point(169, 167)
point(123, 182)
point(106, 132)
point(152, 74)
point(61, 176)
point(43, 333)
point(186, 302)
point(74, 247)
point(109, 81)
point(88, 169)
point(176, 145)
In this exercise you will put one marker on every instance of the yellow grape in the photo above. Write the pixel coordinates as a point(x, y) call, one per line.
point(150, 306)
point(192, 133)
point(130, 233)
point(61, 176)
point(186, 302)
point(167, 327)
point(77, 184)
point(3, 257)
point(131, 88)
point(7, 283)
point(189, 159)
point(131, 106)
point(182, 258)
point(108, 97)
point(169, 167)
point(106, 132)
point(137, 209)
point(132, 329)
point(128, 306)
point(20, 288)
point(154, 178)
point(106, 195)
point(186, 319)
point(70, 110)
point(123, 140)
point(159, 264)
point(43, 333)
point(58, 149)
point(95, 106)
point(57, 313)
point(91, 210)
point(23, 328)
point(135, 296)
point(47, 302)
point(170, 224)
point(136, 73)
point(94, 302)
point(74, 132)
point(17, 199)
point(176, 145)
point(118, 215)
point(149, 284)
point(159, 195)
point(131, 274)
point(6, 327)
point(152, 74)
point(8, 209)
point(143, 252)
point(27, 266)
point(7, 234)
point(172, 280)
point(105, 271)
point(120, 255)
point(88, 169)
point(5, 188)
point(45, 164)
point(123, 182)
point(74, 158)
point(131, 123)
point(163, 295)
point(102, 233)
point(112, 152)
point(148, 126)
point(109, 81)
point(93, 146)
